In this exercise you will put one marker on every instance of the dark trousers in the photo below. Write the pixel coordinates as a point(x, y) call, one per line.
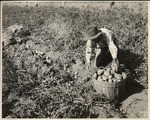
point(104, 58)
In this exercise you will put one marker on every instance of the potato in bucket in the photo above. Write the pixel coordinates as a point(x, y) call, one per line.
point(109, 82)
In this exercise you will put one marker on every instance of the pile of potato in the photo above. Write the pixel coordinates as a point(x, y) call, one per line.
point(109, 75)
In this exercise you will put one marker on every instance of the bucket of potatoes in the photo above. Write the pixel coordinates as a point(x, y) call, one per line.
point(110, 83)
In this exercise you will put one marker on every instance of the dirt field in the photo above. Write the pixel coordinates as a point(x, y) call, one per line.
point(45, 75)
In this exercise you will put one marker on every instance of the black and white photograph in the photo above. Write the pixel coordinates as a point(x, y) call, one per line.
point(74, 59)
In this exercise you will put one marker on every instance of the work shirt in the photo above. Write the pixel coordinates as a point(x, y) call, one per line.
point(106, 40)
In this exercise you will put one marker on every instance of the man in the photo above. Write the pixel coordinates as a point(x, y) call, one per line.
point(106, 46)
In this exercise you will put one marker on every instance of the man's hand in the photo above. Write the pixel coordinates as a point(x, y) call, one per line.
point(88, 65)
point(115, 64)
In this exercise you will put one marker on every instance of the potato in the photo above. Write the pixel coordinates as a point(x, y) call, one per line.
point(114, 80)
point(110, 80)
point(106, 73)
point(108, 69)
point(118, 80)
point(95, 75)
point(100, 72)
point(124, 76)
point(104, 77)
point(117, 76)
point(110, 77)
point(100, 79)
point(112, 71)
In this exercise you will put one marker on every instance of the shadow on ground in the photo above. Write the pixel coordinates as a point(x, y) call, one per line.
point(131, 62)
point(132, 87)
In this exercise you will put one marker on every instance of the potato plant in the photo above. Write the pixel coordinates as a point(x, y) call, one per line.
point(36, 85)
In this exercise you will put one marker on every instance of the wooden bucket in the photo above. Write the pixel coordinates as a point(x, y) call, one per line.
point(112, 90)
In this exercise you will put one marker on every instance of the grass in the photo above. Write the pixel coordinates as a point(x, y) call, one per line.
point(35, 90)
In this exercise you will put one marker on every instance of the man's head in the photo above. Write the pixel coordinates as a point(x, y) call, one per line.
point(92, 33)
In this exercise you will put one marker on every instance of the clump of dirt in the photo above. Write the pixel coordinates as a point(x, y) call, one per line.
point(136, 105)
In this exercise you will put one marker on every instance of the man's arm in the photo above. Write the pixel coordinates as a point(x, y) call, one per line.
point(112, 47)
point(89, 52)
point(108, 34)
point(114, 52)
